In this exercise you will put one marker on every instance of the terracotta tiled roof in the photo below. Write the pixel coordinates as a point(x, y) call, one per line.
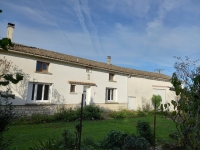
point(85, 62)
point(82, 83)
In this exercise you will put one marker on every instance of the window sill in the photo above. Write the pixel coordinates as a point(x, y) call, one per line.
point(38, 104)
point(112, 81)
point(43, 72)
point(73, 93)
point(111, 102)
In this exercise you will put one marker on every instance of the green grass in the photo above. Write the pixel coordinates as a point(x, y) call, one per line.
point(25, 136)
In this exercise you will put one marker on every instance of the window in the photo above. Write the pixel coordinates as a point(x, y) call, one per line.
point(110, 94)
point(111, 77)
point(72, 88)
point(88, 70)
point(40, 92)
point(42, 66)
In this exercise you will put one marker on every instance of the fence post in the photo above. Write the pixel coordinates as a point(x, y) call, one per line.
point(81, 118)
point(155, 125)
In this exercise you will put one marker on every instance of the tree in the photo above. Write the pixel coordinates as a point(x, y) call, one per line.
point(156, 99)
point(186, 114)
point(6, 110)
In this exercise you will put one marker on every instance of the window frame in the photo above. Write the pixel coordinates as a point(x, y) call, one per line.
point(41, 67)
point(111, 77)
point(111, 95)
point(43, 94)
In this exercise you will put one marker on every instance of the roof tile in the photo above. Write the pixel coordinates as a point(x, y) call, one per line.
point(85, 62)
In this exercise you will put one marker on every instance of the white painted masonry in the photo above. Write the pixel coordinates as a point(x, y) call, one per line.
point(58, 77)
point(143, 89)
point(51, 85)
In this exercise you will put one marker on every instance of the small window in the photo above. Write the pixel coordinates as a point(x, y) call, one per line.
point(42, 66)
point(88, 70)
point(111, 77)
point(72, 88)
point(110, 94)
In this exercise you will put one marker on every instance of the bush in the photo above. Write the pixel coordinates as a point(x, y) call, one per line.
point(51, 144)
point(65, 114)
point(144, 130)
point(136, 143)
point(91, 112)
point(39, 118)
point(68, 140)
point(124, 113)
point(140, 113)
point(90, 144)
point(114, 140)
point(21, 120)
point(156, 99)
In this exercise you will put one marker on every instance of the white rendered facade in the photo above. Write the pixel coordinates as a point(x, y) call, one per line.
point(56, 82)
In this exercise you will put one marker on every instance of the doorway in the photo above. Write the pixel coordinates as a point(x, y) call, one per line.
point(86, 98)
point(131, 103)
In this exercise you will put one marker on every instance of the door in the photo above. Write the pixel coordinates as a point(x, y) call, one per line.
point(131, 103)
point(86, 98)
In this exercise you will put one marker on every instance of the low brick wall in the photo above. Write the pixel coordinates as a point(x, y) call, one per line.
point(28, 110)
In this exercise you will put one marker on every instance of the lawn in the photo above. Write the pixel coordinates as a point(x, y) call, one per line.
point(25, 136)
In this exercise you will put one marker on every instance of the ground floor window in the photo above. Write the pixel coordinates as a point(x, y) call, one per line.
point(72, 88)
point(40, 92)
point(110, 94)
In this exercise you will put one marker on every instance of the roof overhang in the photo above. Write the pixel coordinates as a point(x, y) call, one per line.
point(81, 83)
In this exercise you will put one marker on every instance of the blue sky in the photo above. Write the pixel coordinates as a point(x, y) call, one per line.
point(138, 34)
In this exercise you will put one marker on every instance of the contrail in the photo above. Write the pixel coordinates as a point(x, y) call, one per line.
point(58, 26)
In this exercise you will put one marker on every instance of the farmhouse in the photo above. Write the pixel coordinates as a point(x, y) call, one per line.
point(52, 79)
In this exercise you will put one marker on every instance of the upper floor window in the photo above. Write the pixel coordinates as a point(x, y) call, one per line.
point(42, 66)
point(88, 70)
point(111, 77)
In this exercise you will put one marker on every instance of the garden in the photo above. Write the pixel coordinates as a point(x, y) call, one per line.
point(98, 132)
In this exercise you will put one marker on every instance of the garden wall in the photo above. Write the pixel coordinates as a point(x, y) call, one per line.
point(28, 110)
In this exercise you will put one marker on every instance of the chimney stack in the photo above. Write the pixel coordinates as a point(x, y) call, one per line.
point(108, 60)
point(10, 30)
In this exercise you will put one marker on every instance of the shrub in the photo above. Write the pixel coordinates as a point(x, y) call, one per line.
point(144, 130)
point(91, 112)
point(51, 144)
point(39, 118)
point(21, 120)
point(156, 99)
point(114, 140)
point(65, 114)
point(136, 143)
point(90, 144)
point(140, 113)
point(124, 113)
point(68, 140)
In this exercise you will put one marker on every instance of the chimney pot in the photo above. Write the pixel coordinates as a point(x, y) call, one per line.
point(10, 30)
point(108, 60)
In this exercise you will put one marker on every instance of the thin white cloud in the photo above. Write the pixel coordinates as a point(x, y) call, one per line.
point(33, 14)
point(78, 11)
point(127, 8)
point(83, 13)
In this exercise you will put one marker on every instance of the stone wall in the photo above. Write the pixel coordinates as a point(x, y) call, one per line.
point(28, 110)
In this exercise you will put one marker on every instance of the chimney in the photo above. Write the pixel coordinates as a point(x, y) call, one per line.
point(10, 30)
point(108, 60)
